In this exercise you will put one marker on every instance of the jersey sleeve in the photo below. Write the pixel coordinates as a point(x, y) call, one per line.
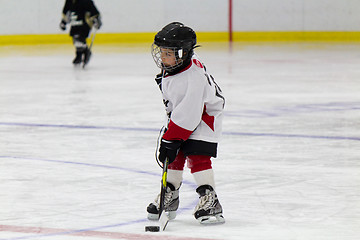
point(66, 8)
point(92, 9)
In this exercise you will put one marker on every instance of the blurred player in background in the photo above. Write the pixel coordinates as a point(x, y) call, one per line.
point(194, 106)
point(82, 16)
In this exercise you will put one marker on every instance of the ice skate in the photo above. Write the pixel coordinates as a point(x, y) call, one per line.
point(87, 56)
point(208, 210)
point(171, 204)
point(78, 58)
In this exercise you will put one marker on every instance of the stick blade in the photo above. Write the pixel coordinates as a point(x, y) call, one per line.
point(163, 220)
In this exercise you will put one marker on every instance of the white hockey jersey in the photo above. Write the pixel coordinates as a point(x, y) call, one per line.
point(194, 104)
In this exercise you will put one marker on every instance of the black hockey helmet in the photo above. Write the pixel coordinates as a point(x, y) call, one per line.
point(177, 37)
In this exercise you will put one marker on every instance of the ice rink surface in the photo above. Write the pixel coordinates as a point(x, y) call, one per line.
point(77, 146)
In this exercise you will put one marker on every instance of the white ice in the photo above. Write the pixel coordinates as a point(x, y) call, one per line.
point(77, 146)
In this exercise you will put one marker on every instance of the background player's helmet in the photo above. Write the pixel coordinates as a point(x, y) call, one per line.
point(179, 38)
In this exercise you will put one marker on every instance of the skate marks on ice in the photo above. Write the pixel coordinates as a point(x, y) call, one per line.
point(46, 232)
point(288, 162)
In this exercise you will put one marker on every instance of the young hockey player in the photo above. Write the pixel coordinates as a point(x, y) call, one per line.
point(82, 16)
point(194, 106)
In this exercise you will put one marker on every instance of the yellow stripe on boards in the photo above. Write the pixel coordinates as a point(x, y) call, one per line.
point(104, 38)
point(65, 38)
point(34, 39)
point(296, 36)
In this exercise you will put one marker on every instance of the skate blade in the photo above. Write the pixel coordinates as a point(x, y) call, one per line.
point(154, 217)
point(211, 220)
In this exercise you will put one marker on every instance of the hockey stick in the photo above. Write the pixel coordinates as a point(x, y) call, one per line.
point(91, 44)
point(92, 39)
point(163, 218)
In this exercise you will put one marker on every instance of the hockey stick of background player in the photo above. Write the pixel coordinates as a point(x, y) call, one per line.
point(163, 218)
point(93, 38)
point(87, 59)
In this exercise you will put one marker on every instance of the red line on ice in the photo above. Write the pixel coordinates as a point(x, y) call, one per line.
point(108, 235)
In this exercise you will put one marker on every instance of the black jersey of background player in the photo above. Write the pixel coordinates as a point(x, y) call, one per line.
point(80, 14)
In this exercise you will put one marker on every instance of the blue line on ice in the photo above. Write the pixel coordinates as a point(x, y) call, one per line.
point(278, 135)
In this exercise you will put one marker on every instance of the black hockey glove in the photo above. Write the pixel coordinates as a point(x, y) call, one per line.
point(169, 149)
point(62, 25)
point(97, 22)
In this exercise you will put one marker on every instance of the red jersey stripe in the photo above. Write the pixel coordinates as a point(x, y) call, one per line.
point(175, 132)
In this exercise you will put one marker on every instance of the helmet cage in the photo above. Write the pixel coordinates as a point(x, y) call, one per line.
point(179, 54)
point(179, 39)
